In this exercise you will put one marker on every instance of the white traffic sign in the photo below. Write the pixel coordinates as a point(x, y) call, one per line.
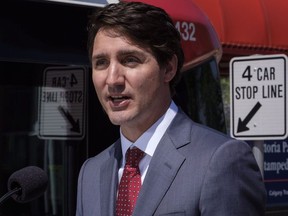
point(258, 97)
point(62, 101)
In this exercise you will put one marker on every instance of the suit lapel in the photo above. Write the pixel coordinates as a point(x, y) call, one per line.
point(109, 180)
point(163, 168)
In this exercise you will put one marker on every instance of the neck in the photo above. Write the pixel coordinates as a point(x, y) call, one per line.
point(133, 131)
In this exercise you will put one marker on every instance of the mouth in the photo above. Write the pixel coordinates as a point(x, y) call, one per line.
point(118, 100)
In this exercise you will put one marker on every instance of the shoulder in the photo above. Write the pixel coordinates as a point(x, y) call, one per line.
point(193, 136)
point(93, 163)
point(183, 125)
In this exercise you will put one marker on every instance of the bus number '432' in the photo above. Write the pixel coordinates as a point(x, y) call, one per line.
point(187, 30)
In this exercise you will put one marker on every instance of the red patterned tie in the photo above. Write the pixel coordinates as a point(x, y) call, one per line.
point(130, 183)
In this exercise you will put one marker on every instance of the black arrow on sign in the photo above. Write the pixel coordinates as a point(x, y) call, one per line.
point(75, 124)
point(242, 125)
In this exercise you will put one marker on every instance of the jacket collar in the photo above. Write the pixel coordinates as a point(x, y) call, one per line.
point(109, 170)
point(164, 165)
point(163, 168)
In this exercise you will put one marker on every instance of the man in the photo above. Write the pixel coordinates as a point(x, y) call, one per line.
point(186, 169)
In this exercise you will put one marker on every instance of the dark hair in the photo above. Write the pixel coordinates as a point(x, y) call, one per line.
point(144, 24)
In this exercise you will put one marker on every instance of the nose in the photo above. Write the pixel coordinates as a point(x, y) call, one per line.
point(115, 75)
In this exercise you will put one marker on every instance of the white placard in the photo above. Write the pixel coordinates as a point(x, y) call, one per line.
point(62, 101)
point(258, 91)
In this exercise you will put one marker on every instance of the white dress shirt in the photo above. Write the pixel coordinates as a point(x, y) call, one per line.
point(148, 141)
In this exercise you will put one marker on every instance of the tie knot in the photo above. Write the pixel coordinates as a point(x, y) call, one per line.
point(133, 157)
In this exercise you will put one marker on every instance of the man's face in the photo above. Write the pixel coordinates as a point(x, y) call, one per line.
point(132, 88)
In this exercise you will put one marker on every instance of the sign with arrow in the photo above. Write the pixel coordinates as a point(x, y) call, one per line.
point(258, 97)
point(62, 101)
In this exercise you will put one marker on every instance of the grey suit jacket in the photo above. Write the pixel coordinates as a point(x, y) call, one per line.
point(194, 171)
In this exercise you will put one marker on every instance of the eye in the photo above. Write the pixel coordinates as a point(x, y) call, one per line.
point(131, 61)
point(100, 64)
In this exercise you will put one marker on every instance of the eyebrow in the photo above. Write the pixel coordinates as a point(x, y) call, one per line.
point(129, 52)
point(120, 53)
point(98, 56)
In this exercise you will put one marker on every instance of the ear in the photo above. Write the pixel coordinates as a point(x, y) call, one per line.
point(171, 69)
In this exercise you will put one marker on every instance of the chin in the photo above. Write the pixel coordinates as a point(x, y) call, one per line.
point(119, 119)
point(116, 120)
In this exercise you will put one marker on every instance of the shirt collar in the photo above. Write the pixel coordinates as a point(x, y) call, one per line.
point(149, 140)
